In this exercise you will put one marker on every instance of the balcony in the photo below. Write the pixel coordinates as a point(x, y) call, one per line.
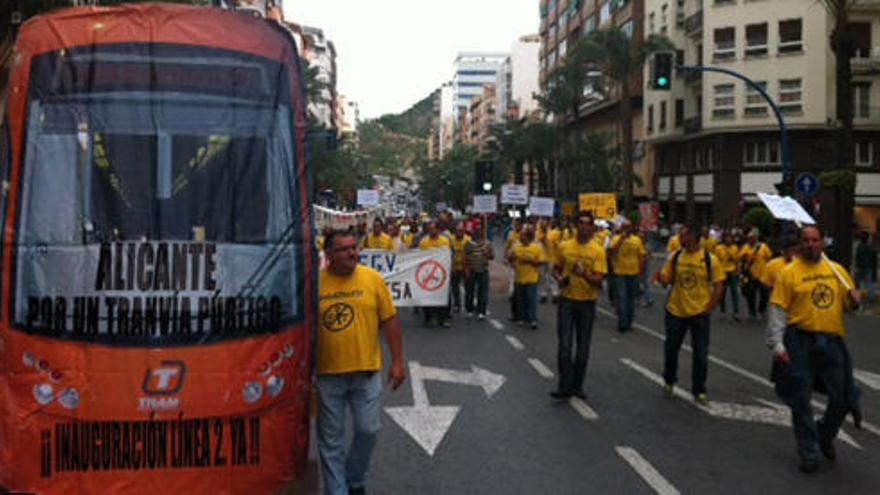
point(866, 63)
point(693, 125)
point(693, 25)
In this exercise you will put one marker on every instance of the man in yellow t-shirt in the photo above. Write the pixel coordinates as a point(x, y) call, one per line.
point(790, 246)
point(354, 304)
point(627, 255)
point(433, 240)
point(527, 257)
point(728, 255)
point(378, 239)
point(754, 256)
point(674, 244)
point(459, 241)
point(805, 332)
point(696, 277)
point(579, 268)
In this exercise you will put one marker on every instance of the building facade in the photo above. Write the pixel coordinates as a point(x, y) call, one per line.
point(473, 70)
point(716, 139)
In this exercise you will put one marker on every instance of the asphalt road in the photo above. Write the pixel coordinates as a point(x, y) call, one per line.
point(508, 436)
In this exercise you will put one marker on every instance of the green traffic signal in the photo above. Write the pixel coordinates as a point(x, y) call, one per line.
point(662, 82)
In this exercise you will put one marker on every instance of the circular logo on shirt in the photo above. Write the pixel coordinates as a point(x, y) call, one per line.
point(823, 296)
point(687, 280)
point(338, 317)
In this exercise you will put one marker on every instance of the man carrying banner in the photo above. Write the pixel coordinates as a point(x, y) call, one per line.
point(354, 304)
point(579, 268)
point(805, 332)
point(628, 256)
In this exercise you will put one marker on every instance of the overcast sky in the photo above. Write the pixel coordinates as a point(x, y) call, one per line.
point(392, 53)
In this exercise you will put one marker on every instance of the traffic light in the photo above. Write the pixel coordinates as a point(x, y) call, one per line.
point(483, 178)
point(661, 77)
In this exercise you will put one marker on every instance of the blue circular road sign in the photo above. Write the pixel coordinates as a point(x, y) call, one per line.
point(807, 184)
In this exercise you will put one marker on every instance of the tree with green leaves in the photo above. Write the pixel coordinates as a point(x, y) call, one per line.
point(450, 180)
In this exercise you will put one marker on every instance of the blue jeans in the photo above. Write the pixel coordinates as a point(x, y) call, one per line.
point(815, 358)
point(676, 328)
point(731, 286)
point(526, 296)
point(362, 393)
point(574, 327)
point(647, 297)
point(866, 280)
point(476, 286)
point(627, 287)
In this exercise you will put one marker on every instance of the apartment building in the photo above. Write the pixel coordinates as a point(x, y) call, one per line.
point(716, 139)
point(563, 23)
point(517, 82)
point(347, 117)
point(473, 70)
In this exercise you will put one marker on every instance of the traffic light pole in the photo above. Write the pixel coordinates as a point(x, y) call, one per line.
point(786, 151)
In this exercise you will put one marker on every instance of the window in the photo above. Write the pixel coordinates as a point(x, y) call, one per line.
point(563, 47)
point(651, 23)
point(679, 57)
point(589, 25)
point(756, 105)
point(861, 33)
point(679, 13)
point(664, 16)
point(861, 100)
point(679, 112)
point(761, 153)
point(864, 153)
point(790, 97)
point(725, 44)
point(604, 13)
point(650, 119)
point(553, 33)
point(724, 2)
point(563, 21)
point(662, 115)
point(790, 36)
point(725, 100)
point(756, 40)
point(627, 29)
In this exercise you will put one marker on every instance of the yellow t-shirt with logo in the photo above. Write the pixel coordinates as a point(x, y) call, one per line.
point(772, 270)
point(691, 290)
point(628, 258)
point(812, 295)
point(592, 256)
point(524, 271)
point(428, 243)
point(674, 244)
point(728, 256)
point(381, 241)
point(350, 310)
point(760, 253)
point(458, 246)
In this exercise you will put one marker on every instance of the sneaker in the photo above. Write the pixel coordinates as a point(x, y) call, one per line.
point(701, 399)
point(481, 317)
point(580, 394)
point(737, 319)
point(534, 325)
point(560, 394)
point(669, 390)
point(446, 324)
point(357, 491)
point(808, 465)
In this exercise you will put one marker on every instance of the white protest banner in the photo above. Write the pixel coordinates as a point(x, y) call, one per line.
point(786, 208)
point(541, 207)
point(514, 194)
point(368, 197)
point(415, 278)
point(485, 203)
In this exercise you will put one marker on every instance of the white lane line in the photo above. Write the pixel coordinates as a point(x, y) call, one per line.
point(583, 409)
point(497, 324)
point(541, 368)
point(868, 379)
point(644, 468)
point(514, 342)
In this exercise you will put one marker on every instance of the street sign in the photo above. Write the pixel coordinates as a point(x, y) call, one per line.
point(807, 184)
point(541, 207)
point(367, 197)
point(485, 203)
point(514, 194)
point(603, 205)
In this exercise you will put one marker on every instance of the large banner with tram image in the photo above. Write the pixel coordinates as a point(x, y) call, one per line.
point(158, 276)
point(414, 278)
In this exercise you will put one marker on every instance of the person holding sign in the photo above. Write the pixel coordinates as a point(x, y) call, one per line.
point(527, 257)
point(696, 277)
point(628, 256)
point(805, 333)
point(354, 304)
point(579, 268)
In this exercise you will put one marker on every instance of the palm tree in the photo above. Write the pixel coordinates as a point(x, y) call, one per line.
point(612, 53)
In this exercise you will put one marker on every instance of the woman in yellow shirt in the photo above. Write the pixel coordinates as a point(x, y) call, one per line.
point(728, 254)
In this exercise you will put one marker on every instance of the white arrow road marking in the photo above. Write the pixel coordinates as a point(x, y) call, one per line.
point(869, 427)
point(497, 324)
point(651, 476)
point(541, 368)
point(869, 379)
point(583, 409)
point(775, 414)
point(514, 342)
point(428, 424)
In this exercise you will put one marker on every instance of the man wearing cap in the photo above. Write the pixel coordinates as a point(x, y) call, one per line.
point(754, 256)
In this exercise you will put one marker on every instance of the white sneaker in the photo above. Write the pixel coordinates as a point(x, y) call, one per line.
point(481, 317)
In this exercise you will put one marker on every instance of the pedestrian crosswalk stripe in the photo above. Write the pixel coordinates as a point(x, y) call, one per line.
point(514, 342)
point(583, 409)
point(648, 473)
point(541, 368)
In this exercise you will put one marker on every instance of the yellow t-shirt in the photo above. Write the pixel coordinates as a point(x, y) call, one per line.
point(708, 243)
point(428, 243)
point(761, 254)
point(458, 246)
point(628, 258)
point(554, 237)
point(772, 270)
point(728, 256)
point(812, 295)
point(350, 310)
point(592, 256)
point(524, 271)
point(511, 239)
point(600, 236)
point(691, 290)
point(407, 239)
point(673, 245)
point(568, 233)
point(381, 241)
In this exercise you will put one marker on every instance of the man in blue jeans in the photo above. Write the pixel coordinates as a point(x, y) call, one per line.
point(354, 303)
point(579, 268)
point(627, 255)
